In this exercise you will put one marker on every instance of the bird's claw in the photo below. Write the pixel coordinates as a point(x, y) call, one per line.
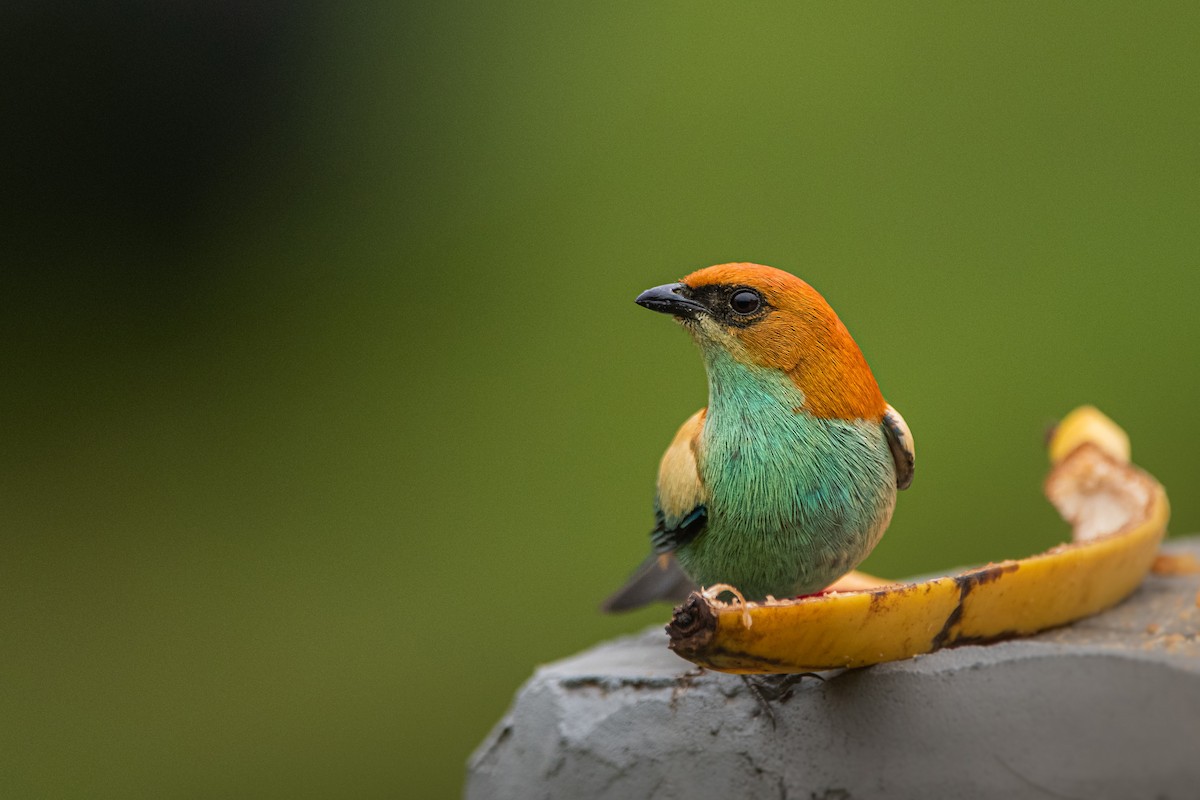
point(774, 689)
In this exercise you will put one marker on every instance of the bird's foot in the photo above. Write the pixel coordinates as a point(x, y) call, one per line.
point(774, 689)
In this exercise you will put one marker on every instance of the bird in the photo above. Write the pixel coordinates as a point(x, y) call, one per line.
point(788, 478)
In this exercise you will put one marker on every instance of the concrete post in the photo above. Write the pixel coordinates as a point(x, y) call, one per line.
point(1106, 708)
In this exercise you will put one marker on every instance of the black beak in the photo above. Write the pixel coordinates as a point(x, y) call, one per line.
point(667, 300)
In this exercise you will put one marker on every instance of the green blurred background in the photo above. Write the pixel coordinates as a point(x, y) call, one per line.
point(327, 413)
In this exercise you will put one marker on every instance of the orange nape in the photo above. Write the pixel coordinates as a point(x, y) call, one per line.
point(803, 337)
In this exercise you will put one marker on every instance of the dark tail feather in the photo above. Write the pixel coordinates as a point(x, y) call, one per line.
point(657, 578)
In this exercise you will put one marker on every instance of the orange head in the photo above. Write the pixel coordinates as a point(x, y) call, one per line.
point(767, 317)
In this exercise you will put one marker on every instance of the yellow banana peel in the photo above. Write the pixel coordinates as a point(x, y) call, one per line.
point(1119, 516)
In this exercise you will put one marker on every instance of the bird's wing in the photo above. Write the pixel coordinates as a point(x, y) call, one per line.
point(900, 442)
point(679, 503)
point(680, 515)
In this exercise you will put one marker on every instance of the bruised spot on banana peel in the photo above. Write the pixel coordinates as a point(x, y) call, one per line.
point(882, 599)
point(966, 583)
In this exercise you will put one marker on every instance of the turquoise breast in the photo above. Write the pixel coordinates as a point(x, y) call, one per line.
point(794, 502)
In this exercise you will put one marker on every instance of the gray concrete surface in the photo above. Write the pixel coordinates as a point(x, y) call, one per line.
point(1106, 708)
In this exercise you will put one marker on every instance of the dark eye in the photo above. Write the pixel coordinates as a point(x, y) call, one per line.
point(745, 301)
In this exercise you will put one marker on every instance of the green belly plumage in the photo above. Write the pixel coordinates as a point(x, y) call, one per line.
point(794, 501)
